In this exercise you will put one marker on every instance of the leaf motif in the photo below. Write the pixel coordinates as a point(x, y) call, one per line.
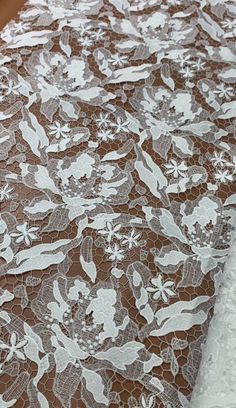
point(130, 74)
point(174, 366)
point(183, 144)
point(169, 227)
point(228, 110)
point(178, 308)
point(171, 258)
point(139, 276)
point(33, 133)
point(94, 384)
point(198, 129)
point(165, 76)
point(29, 332)
point(9, 112)
point(123, 356)
point(29, 39)
point(40, 257)
point(118, 154)
point(39, 208)
point(210, 26)
point(86, 258)
point(124, 26)
point(68, 110)
point(150, 173)
point(184, 322)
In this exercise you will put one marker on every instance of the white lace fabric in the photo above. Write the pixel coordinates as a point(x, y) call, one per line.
point(117, 195)
point(216, 385)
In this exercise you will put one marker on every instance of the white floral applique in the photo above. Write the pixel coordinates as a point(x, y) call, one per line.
point(131, 240)
point(161, 289)
point(5, 192)
point(115, 253)
point(25, 234)
point(176, 169)
point(59, 130)
point(111, 232)
point(14, 349)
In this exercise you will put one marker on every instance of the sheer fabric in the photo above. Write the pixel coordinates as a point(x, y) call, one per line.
point(117, 194)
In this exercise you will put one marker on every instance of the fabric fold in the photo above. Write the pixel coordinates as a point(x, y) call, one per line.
point(216, 381)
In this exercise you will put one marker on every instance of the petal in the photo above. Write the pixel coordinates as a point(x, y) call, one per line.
point(21, 344)
point(4, 346)
point(15, 234)
point(20, 239)
point(33, 236)
point(9, 356)
point(169, 292)
point(13, 339)
point(27, 241)
point(20, 355)
point(33, 229)
point(155, 282)
point(150, 289)
point(168, 283)
point(157, 295)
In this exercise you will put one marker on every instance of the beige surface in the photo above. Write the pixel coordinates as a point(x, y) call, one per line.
point(8, 10)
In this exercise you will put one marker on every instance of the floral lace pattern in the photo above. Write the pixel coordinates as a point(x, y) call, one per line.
point(117, 195)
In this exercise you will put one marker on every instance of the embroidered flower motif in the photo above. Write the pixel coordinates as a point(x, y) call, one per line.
point(161, 290)
point(111, 232)
point(187, 72)
point(224, 92)
point(8, 88)
point(227, 23)
point(223, 176)
point(218, 159)
point(20, 27)
point(105, 135)
point(85, 29)
point(14, 349)
point(198, 65)
point(5, 192)
point(131, 240)
point(25, 234)
point(120, 126)
point(116, 253)
point(98, 35)
point(177, 169)
point(59, 130)
point(103, 120)
point(183, 60)
point(117, 59)
point(85, 41)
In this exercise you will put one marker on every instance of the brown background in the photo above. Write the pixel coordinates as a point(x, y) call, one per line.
point(8, 10)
